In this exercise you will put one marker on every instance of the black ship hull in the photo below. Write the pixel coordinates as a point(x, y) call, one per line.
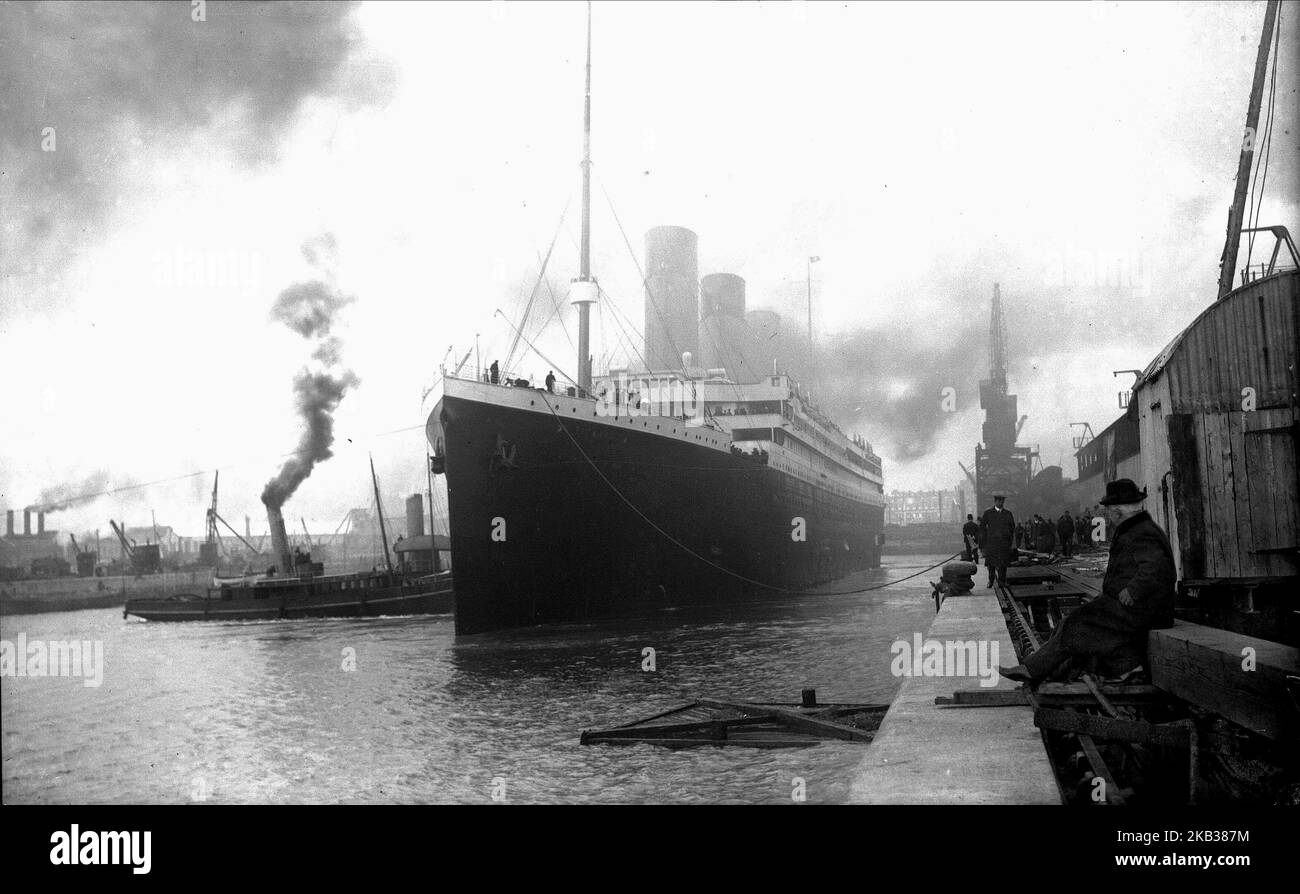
point(559, 518)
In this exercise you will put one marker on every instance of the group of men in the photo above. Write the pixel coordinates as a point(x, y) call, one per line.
point(1045, 536)
point(1108, 634)
point(493, 376)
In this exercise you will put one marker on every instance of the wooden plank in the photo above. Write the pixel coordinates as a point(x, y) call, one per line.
point(1272, 456)
point(1223, 552)
point(1114, 690)
point(1067, 694)
point(1204, 666)
point(1091, 682)
point(1184, 459)
point(1114, 796)
point(1239, 491)
point(1098, 727)
point(695, 743)
point(805, 723)
point(1262, 494)
point(717, 727)
point(1079, 581)
point(1036, 592)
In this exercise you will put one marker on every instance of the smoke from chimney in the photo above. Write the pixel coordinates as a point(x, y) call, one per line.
point(63, 496)
point(309, 308)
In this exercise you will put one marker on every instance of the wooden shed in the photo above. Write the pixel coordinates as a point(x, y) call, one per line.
point(1218, 416)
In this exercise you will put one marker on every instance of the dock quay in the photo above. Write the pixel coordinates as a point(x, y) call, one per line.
point(927, 753)
point(1192, 729)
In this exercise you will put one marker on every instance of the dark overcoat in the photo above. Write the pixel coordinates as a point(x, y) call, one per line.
point(1142, 562)
point(997, 531)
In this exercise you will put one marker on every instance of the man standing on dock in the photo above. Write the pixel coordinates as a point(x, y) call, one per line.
point(970, 533)
point(1137, 595)
point(997, 528)
point(1065, 531)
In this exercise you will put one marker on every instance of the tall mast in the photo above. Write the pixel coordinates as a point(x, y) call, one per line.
point(583, 290)
point(379, 509)
point(1228, 262)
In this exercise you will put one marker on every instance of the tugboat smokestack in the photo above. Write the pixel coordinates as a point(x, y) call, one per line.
point(279, 539)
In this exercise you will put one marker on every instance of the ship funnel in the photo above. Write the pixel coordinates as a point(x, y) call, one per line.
point(722, 327)
point(672, 296)
point(415, 515)
point(279, 539)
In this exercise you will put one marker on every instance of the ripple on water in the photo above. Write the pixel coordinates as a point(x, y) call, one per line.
point(265, 712)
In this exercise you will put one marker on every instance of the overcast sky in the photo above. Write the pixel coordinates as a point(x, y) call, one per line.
point(1082, 155)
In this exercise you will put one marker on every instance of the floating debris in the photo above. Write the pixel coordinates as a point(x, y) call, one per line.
point(747, 724)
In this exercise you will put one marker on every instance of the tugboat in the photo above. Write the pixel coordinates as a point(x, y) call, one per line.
point(303, 590)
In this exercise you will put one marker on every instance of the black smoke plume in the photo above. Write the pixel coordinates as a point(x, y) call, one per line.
point(309, 309)
point(122, 85)
point(95, 485)
point(317, 395)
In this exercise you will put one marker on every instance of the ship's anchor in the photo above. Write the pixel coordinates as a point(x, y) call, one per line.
point(504, 457)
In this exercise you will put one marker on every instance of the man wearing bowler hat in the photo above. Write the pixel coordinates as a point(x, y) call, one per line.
point(997, 530)
point(1109, 634)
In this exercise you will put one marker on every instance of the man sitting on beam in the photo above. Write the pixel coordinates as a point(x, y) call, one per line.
point(1137, 595)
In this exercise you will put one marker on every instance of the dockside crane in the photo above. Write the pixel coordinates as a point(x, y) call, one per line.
point(128, 546)
point(212, 542)
point(85, 560)
point(969, 475)
point(145, 559)
point(238, 535)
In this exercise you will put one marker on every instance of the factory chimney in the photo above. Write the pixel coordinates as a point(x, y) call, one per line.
point(40, 521)
point(9, 523)
point(27, 523)
point(279, 539)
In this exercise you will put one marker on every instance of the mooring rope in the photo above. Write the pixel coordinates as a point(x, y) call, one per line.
point(707, 561)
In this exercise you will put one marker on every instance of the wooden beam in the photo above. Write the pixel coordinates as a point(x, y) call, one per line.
point(1168, 735)
point(1206, 666)
point(1058, 695)
point(1091, 682)
point(1114, 796)
point(695, 743)
point(802, 722)
point(716, 727)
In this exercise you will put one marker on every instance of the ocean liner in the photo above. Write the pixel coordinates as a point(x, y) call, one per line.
point(673, 483)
